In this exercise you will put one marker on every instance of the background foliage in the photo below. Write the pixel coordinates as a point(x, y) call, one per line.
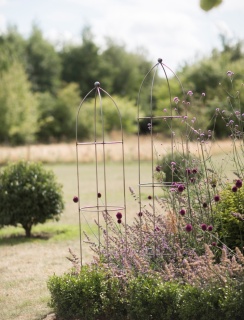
point(41, 84)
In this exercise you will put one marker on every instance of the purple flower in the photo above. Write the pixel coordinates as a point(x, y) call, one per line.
point(234, 189)
point(182, 212)
point(190, 93)
point(158, 168)
point(75, 199)
point(181, 188)
point(99, 195)
point(203, 94)
point(214, 244)
point(188, 171)
point(188, 227)
point(230, 73)
point(119, 221)
point(217, 198)
point(205, 205)
point(204, 226)
point(238, 183)
point(119, 215)
point(194, 170)
point(149, 197)
point(210, 228)
point(176, 100)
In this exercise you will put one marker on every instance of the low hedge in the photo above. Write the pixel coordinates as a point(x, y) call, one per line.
point(96, 294)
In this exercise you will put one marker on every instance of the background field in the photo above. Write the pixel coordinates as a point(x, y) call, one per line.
point(25, 265)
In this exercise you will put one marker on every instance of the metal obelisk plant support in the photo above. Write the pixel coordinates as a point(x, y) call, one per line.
point(99, 143)
point(151, 118)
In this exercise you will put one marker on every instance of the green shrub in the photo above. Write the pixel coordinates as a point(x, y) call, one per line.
point(150, 298)
point(28, 195)
point(96, 294)
point(229, 218)
point(178, 166)
point(92, 294)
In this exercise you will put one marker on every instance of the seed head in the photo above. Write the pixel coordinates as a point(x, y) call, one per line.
point(182, 212)
point(119, 215)
point(188, 227)
point(238, 183)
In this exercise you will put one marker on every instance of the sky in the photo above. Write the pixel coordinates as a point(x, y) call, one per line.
point(177, 31)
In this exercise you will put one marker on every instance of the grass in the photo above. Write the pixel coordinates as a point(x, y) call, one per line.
point(26, 264)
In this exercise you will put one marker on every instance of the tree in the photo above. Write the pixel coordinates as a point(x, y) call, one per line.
point(57, 114)
point(18, 106)
point(80, 64)
point(12, 48)
point(44, 65)
point(28, 195)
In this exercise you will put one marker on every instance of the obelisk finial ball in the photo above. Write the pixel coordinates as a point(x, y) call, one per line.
point(160, 60)
point(97, 84)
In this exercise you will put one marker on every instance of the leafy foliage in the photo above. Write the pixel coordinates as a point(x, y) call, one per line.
point(229, 216)
point(95, 293)
point(18, 107)
point(28, 195)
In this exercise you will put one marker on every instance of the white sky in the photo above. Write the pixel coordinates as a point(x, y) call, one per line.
point(174, 30)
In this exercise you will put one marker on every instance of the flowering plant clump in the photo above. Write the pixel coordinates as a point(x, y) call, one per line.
point(189, 240)
point(198, 216)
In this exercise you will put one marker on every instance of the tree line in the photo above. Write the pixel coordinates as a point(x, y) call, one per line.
point(41, 85)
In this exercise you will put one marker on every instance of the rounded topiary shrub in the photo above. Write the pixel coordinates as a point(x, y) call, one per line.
point(229, 215)
point(29, 195)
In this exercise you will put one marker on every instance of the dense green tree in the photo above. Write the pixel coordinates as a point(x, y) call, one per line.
point(44, 65)
point(80, 63)
point(57, 115)
point(18, 107)
point(12, 48)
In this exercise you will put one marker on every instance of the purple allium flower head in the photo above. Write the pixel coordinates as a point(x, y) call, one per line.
point(194, 170)
point(188, 227)
point(119, 215)
point(139, 214)
point(214, 244)
point(99, 195)
point(181, 188)
point(158, 168)
point(210, 228)
point(217, 198)
point(149, 197)
point(238, 183)
point(205, 205)
point(190, 93)
point(234, 189)
point(204, 226)
point(75, 199)
point(182, 212)
point(119, 221)
point(203, 94)
point(188, 171)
